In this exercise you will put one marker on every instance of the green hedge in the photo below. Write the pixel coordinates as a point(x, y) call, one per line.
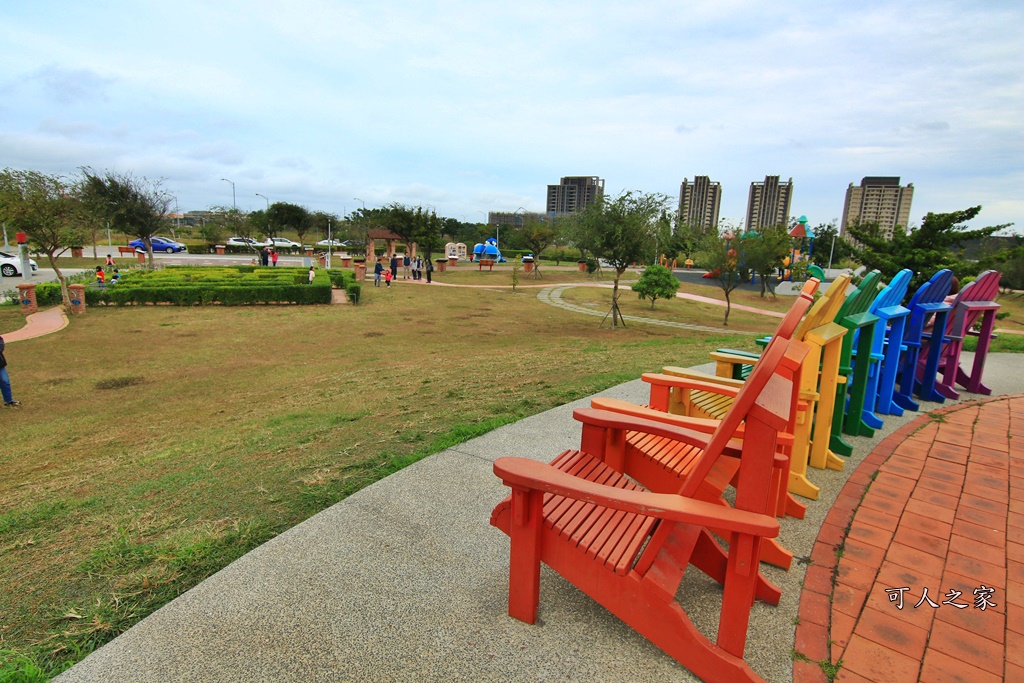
point(202, 285)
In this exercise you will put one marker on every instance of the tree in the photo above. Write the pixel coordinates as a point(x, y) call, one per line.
point(537, 236)
point(622, 231)
point(687, 237)
point(829, 247)
point(763, 252)
point(282, 216)
point(657, 282)
point(716, 255)
point(934, 245)
point(46, 208)
point(134, 206)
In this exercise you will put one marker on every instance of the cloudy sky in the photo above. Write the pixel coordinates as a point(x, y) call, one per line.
point(474, 106)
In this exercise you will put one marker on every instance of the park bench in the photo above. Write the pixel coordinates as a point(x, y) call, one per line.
point(594, 523)
point(126, 251)
point(928, 302)
point(974, 304)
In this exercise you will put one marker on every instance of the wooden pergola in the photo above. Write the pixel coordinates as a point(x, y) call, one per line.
point(390, 239)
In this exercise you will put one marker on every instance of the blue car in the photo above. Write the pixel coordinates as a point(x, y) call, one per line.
point(164, 244)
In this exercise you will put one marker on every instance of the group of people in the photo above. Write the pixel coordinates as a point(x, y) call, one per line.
point(412, 268)
point(268, 256)
point(101, 276)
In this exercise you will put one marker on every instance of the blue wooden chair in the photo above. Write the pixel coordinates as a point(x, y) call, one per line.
point(928, 301)
point(888, 344)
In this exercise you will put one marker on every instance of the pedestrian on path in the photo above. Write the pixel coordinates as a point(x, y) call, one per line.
point(265, 256)
point(5, 380)
point(388, 278)
point(430, 269)
point(274, 257)
point(378, 272)
point(406, 263)
point(394, 266)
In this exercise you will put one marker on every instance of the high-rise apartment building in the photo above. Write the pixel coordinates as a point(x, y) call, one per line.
point(768, 203)
point(699, 201)
point(878, 199)
point(573, 194)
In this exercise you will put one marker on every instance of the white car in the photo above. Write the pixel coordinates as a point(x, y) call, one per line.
point(281, 243)
point(331, 243)
point(244, 242)
point(10, 265)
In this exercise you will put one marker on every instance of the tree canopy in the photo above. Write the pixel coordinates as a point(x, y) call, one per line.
point(132, 205)
point(936, 244)
point(47, 208)
point(657, 282)
point(285, 216)
point(718, 257)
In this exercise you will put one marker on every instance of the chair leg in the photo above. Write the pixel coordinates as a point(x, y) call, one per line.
point(524, 563)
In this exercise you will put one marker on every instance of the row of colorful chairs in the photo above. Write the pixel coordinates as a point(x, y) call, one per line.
point(643, 497)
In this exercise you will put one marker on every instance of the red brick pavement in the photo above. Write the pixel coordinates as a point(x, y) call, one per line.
point(938, 506)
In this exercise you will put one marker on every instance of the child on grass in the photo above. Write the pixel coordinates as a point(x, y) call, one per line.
point(387, 278)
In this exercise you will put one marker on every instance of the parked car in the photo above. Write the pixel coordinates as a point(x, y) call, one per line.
point(282, 243)
point(331, 243)
point(164, 244)
point(244, 242)
point(10, 265)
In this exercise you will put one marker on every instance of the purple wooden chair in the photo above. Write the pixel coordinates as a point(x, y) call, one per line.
point(975, 301)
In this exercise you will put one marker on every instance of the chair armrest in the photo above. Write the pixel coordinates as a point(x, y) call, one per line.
point(606, 419)
point(687, 383)
point(674, 371)
point(700, 424)
point(733, 357)
point(530, 474)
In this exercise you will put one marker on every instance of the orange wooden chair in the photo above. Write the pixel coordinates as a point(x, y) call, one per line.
point(628, 548)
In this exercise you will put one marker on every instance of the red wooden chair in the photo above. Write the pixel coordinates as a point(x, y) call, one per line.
point(628, 548)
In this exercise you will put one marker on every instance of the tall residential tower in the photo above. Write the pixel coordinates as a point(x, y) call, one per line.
point(878, 199)
point(573, 194)
point(699, 201)
point(768, 203)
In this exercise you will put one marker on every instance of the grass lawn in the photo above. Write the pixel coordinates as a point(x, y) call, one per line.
point(157, 444)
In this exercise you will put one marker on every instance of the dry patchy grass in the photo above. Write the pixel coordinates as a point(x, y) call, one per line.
point(157, 444)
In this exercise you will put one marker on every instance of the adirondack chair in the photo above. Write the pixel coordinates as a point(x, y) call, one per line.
point(887, 347)
point(975, 301)
point(854, 317)
point(928, 301)
point(661, 464)
point(818, 384)
point(628, 548)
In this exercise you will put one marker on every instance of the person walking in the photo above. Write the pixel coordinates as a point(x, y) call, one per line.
point(430, 269)
point(274, 256)
point(378, 272)
point(388, 278)
point(406, 263)
point(417, 271)
point(5, 380)
point(265, 256)
point(312, 274)
point(394, 266)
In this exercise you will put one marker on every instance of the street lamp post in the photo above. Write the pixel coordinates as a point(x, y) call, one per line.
point(234, 206)
point(264, 199)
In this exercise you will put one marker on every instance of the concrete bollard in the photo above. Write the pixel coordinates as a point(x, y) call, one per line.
point(27, 297)
point(77, 293)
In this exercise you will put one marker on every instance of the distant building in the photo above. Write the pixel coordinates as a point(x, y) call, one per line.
point(514, 218)
point(878, 199)
point(573, 194)
point(700, 201)
point(768, 203)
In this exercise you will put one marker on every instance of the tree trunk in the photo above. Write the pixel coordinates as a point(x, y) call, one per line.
point(728, 307)
point(615, 297)
point(65, 296)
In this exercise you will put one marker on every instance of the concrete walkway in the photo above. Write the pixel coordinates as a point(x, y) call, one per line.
point(39, 323)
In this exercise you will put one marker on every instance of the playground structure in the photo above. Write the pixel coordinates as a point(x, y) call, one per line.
point(487, 251)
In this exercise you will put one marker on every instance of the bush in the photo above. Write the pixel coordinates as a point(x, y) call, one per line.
point(199, 286)
point(559, 254)
point(354, 291)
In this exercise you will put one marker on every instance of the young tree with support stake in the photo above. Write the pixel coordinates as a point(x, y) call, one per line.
point(47, 209)
point(717, 255)
point(538, 236)
point(622, 231)
point(134, 206)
